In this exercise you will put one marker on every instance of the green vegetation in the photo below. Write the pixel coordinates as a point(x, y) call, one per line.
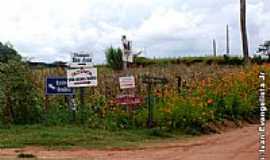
point(211, 91)
point(114, 58)
point(7, 52)
point(75, 136)
point(18, 101)
point(208, 94)
point(208, 60)
point(225, 60)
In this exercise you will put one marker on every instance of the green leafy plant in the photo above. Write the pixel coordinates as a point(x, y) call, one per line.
point(19, 101)
point(114, 58)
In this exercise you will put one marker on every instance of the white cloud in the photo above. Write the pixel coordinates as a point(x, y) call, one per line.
point(49, 30)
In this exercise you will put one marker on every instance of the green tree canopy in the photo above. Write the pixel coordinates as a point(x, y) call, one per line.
point(7, 52)
point(19, 101)
point(114, 58)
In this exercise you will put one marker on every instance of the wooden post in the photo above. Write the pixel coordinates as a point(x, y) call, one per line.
point(125, 66)
point(179, 84)
point(82, 92)
point(243, 27)
point(72, 107)
point(150, 107)
point(46, 104)
point(150, 81)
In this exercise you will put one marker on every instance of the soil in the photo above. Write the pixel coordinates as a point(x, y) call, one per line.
point(237, 144)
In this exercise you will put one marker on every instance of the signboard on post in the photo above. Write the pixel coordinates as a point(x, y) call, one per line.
point(127, 82)
point(150, 81)
point(154, 80)
point(82, 59)
point(58, 86)
point(127, 58)
point(130, 100)
point(83, 77)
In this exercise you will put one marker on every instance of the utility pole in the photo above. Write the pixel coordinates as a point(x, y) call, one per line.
point(243, 27)
point(227, 40)
point(82, 94)
point(214, 48)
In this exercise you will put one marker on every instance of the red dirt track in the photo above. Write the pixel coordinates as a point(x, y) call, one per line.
point(238, 144)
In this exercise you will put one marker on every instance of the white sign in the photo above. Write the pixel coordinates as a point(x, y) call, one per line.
point(84, 77)
point(81, 59)
point(127, 58)
point(127, 82)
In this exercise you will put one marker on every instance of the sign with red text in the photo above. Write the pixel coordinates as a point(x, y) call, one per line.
point(127, 82)
point(130, 100)
point(83, 77)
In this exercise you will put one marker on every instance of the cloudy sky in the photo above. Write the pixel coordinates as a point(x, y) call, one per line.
point(49, 30)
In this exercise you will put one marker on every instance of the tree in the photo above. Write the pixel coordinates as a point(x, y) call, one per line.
point(19, 101)
point(7, 52)
point(114, 58)
point(244, 30)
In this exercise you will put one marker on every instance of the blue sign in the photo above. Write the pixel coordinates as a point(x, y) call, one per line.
point(58, 86)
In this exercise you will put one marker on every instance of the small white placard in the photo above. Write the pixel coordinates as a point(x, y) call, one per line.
point(127, 82)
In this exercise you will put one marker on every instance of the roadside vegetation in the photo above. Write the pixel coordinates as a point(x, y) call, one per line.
point(68, 136)
point(200, 95)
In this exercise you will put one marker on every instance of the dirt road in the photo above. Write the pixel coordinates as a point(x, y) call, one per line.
point(238, 144)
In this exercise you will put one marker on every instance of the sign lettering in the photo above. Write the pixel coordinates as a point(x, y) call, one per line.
point(84, 77)
point(58, 86)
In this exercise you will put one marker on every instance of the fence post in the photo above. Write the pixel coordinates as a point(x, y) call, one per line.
point(179, 84)
point(46, 104)
point(150, 106)
point(82, 92)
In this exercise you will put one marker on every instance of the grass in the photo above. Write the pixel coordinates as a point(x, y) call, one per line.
point(73, 136)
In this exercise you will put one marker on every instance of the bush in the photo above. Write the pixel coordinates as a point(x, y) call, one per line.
point(258, 59)
point(233, 60)
point(114, 58)
point(20, 103)
point(58, 115)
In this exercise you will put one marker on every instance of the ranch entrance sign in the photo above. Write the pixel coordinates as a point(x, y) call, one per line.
point(83, 77)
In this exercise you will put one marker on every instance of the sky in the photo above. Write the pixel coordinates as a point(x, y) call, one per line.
point(50, 30)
